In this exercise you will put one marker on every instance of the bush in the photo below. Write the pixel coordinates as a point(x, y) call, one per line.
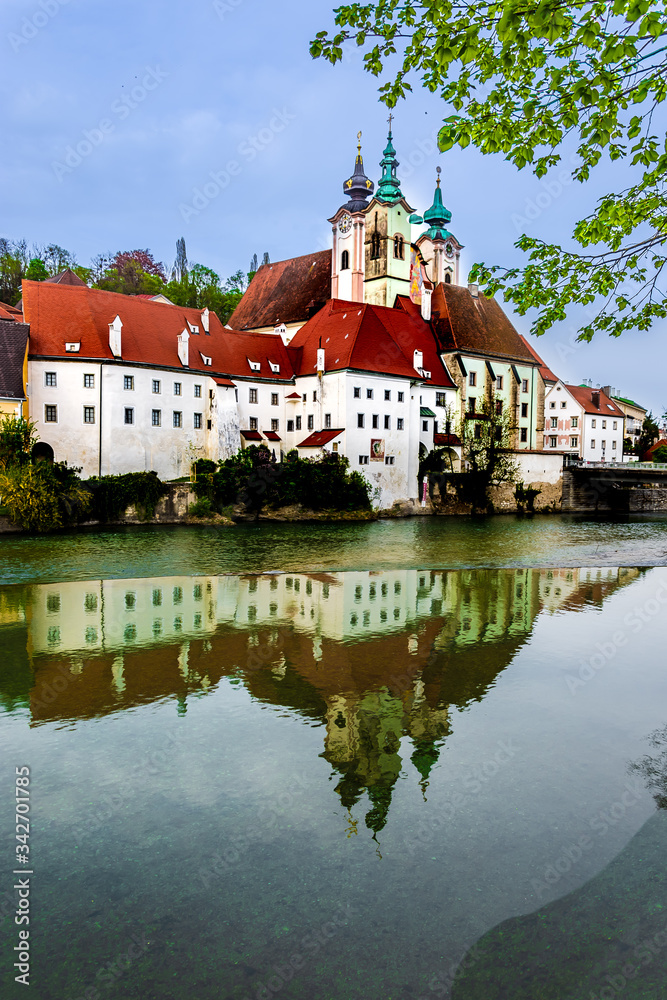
point(660, 455)
point(30, 499)
point(112, 495)
point(201, 508)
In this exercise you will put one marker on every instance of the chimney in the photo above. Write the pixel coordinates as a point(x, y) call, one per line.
point(183, 351)
point(595, 398)
point(320, 360)
point(607, 390)
point(474, 290)
point(418, 360)
point(205, 320)
point(115, 343)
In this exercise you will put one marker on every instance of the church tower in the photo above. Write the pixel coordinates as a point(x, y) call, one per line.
point(439, 249)
point(387, 247)
point(347, 259)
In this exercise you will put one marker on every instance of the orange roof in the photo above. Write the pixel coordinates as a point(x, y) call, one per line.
point(585, 396)
point(464, 322)
point(368, 338)
point(545, 372)
point(318, 438)
point(64, 313)
point(283, 292)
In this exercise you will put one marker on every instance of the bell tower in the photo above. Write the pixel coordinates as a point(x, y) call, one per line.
point(440, 250)
point(347, 258)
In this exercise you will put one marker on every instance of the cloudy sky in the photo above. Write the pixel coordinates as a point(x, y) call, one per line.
point(127, 125)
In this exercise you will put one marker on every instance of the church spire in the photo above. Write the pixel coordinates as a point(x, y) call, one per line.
point(358, 187)
point(438, 217)
point(389, 188)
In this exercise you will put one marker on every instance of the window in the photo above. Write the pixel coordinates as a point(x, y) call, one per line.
point(314, 397)
point(478, 431)
point(499, 382)
point(360, 420)
point(553, 442)
point(290, 426)
point(574, 442)
point(554, 421)
point(424, 425)
point(524, 409)
point(345, 260)
point(208, 425)
point(575, 421)
point(156, 418)
point(499, 407)
point(177, 388)
point(51, 414)
point(524, 433)
point(89, 381)
point(128, 382)
point(375, 246)
point(398, 247)
point(387, 423)
point(603, 443)
point(275, 425)
point(471, 404)
point(274, 399)
point(387, 394)
point(50, 379)
point(376, 421)
point(197, 392)
point(593, 423)
point(472, 378)
point(613, 444)
point(311, 422)
point(197, 421)
point(363, 460)
point(399, 424)
point(327, 420)
point(552, 406)
point(252, 395)
point(524, 385)
point(156, 385)
point(177, 418)
point(401, 397)
point(389, 460)
point(369, 393)
point(357, 392)
point(129, 415)
point(304, 398)
point(593, 443)
point(298, 423)
point(89, 414)
point(440, 399)
point(604, 425)
point(253, 423)
point(563, 404)
point(615, 425)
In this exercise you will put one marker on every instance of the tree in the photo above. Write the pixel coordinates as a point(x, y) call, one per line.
point(133, 272)
point(525, 77)
point(17, 437)
point(11, 274)
point(36, 270)
point(486, 443)
point(57, 259)
point(180, 269)
point(649, 435)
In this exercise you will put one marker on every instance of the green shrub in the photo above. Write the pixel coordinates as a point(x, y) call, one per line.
point(112, 495)
point(30, 498)
point(203, 507)
point(660, 455)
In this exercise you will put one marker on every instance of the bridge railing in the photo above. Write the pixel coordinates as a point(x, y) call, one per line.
point(652, 466)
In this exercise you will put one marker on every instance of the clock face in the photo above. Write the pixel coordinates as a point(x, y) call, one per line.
point(449, 250)
point(345, 224)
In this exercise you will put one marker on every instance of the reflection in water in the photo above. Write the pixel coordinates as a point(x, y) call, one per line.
point(607, 938)
point(301, 641)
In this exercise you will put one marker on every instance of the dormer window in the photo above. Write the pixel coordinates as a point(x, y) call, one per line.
point(207, 361)
point(255, 366)
point(193, 328)
point(345, 260)
point(275, 368)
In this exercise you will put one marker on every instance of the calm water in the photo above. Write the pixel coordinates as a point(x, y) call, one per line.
point(337, 785)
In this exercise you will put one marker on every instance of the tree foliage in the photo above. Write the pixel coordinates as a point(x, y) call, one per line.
point(486, 442)
point(527, 78)
point(17, 437)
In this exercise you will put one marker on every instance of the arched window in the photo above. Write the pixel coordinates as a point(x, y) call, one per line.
point(345, 260)
point(398, 247)
point(375, 246)
point(448, 278)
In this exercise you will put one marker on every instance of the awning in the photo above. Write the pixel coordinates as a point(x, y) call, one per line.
point(271, 435)
point(425, 412)
point(251, 435)
point(224, 381)
point(318, 438)
point(293, 397)
point(447, 440)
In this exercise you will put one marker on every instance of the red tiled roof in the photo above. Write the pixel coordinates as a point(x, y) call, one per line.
point(66, 277)
point(367, 338)
point(10, 312)
point(283, 292)
point(452, 440)
point(477, 324)
point(294, 395)
point(271, 435)
point(318, 438)
point(545, 372)
point(251, 435)
point(584, 396)
point(224, 381)
point(61, 313)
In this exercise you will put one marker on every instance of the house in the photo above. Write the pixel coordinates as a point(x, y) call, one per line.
point(583, 421)
point(634, 415)
point(14, 368)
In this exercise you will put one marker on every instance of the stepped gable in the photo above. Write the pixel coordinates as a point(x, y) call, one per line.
point(475, 324)
point(545, 372)
point(284, 292)
point(367, 338)
point(60, 314)
point(13, 340)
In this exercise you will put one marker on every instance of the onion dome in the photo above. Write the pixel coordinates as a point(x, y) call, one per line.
point(358, 187)
point(437, 216)
point(389, 188)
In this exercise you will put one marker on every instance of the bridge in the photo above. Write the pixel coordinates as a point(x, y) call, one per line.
point(612, 487)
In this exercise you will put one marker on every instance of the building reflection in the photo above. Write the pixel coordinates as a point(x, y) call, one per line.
point(381, 659)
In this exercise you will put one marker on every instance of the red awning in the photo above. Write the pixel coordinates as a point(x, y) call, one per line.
point(294, 396)
point(453, 440)
point(252, 435)
point(224, 381)
point(271, 435)
point(318, 438)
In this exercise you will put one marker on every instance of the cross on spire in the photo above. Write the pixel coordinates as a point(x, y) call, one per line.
point(390, 120)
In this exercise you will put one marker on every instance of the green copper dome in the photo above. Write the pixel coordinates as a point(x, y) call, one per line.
point(438, 217)
point(389, 188)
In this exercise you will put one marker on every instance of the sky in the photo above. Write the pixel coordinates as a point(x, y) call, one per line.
point(127, 125)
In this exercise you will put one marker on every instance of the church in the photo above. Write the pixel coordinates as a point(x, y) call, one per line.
point(374, 350)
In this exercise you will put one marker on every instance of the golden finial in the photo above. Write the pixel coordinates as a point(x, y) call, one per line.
point(359, 143)
point(438, 171)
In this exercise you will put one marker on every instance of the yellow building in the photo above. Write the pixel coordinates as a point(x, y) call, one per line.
point(13, 368)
